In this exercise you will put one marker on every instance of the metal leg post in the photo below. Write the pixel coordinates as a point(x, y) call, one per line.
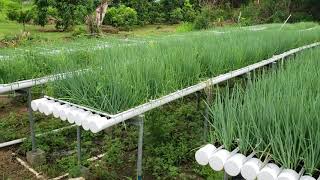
point(205, 123)
point(225, 176)
point(140, 146)
point(79, 145)
point(31, 121)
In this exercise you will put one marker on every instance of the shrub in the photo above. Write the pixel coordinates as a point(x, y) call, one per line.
point(176, 15)
point(185, 27)
point(13, 15)
point(189, 14)
point(202, 21)
point(123, 16)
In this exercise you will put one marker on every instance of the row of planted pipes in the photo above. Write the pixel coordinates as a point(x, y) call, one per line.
point(67, 112)
point(250, 168)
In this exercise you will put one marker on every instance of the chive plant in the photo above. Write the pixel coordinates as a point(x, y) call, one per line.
point(277, 113)
point(129, 76)
point(37, 61)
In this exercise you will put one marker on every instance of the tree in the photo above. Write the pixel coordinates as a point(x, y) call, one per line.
point(42, 12)
point(66, 9)
point(24, 16)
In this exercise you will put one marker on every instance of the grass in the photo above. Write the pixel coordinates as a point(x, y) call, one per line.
point(136, 74)
point(277, 113)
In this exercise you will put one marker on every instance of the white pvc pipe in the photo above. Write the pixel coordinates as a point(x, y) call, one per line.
point(49, 107)
point(307, 178)
point(71, 115)
point(269, 172)
point(56, 110)
point(82, 116)
point(18, 141)
point(203, 155)
point(4, 88)
point(234, 164)
point(35, 104)
point(64, 111)
point(41, 105)
point(288, 174)
point(86, 122)
point(218, 159)
point(251, 169)
point(97, 126)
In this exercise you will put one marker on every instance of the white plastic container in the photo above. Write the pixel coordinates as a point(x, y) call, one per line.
point(288, 174)
point(49, 107)
point(234, 164)
point(35, 104)
point(56, 110)
point(269, 172)
point(218, 160)
point(89, 119)
point(204, 154)
point(251, 169)
point(307, 178)
point(71, 115)
point(63, 112)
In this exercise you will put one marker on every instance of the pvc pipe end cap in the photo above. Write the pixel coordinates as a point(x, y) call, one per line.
point(251, 169)
point(234, 164)
point(203, 154)
point(307, 178)
point(269, 172)
point(217, 161)
point(288, 174)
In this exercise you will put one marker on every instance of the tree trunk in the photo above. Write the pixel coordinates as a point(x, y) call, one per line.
point(101, 12)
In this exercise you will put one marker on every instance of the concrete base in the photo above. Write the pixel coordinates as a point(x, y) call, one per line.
point(85, 173)
point(36, 158)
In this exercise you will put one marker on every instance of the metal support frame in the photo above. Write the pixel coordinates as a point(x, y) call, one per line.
point(31, 120)
point(79, 145)
point(208, 92)
point(139, 121)
point(225, 176)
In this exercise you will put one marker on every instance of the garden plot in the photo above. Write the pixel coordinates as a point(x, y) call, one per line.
point(135, 75)
point(275, 115)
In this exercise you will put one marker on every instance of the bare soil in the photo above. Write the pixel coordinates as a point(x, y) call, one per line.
point(10, 167)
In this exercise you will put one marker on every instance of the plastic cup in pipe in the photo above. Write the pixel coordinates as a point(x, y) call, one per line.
point(80, 118)
point(218, 160)
point(251, 168)
point(42, 105)
point(88, 120)
point(269, 172)
point(203, 154)
point(288, 174)
point(35, 104)
point(63, 112)
point(49, 106)
point(234, 164)
point(56, 110)
point(71, 115)
point(307, 178)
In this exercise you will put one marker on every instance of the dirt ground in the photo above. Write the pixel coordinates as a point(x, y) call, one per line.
point(10, 167)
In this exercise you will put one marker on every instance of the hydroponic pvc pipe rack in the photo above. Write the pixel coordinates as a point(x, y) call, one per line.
point(250, 167)
point(97, 121)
